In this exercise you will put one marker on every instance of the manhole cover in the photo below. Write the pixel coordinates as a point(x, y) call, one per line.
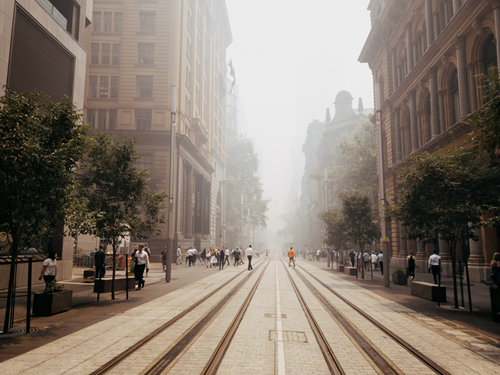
point(292, 336)
point(16, 331)
point(283, 316)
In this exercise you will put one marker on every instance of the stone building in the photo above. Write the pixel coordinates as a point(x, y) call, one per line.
point(41, 48)
point(426, 56)
point(137, 51)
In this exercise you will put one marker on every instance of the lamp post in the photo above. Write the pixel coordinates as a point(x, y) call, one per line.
point(242, 222)
point(224, 210)
point(387, 258)
point(170, 227)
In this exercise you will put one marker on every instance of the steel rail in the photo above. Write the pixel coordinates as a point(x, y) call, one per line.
point(412, 350)
point(127, 352)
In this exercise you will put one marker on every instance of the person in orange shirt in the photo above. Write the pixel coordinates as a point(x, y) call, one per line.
point(291, 257)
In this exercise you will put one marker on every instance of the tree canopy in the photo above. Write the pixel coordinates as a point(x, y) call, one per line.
point(336, 232)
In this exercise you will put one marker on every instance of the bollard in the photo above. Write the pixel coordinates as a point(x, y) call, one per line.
point(28, 296)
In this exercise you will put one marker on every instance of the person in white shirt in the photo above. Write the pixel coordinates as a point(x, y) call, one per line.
point(49, 269)
point(366, 259)
point(179, 256)
point(435, 266)
point(193, 258)
point(189, 256)
point(227, 256)
point(142, 258)
point(381, 262)
point(249, 253)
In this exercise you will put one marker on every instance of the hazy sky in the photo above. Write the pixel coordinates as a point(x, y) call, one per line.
point(292, 57)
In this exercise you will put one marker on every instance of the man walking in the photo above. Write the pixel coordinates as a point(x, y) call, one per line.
point(142, 258)
point(100, 260)
point(193, 258)
point(435, 266)
point(179, 256)
point(291, 257)
point(227, 255)
point(366, 259)
point(189, 256)
point(381, 262)
point(249, 253)
point(163, 259)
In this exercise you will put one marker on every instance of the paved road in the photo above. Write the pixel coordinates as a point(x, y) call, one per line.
point(272, 320)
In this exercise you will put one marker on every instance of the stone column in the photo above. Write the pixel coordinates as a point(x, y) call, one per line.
point(434, 103)
point(189, 201)
point(421, 257)
point(456, 6)
point(415, 54)
point(442, 119)
point(179, 199)
point(436, 25)
point(496, 8)
point(472, 87)
point(429, 22)
point(409, 47)
point(462, 77)
point(394, 71)
point(397, 134)
point(446, 14)
point(444, 253)
point(419, 128)
point(478, 268)
point(413, 121)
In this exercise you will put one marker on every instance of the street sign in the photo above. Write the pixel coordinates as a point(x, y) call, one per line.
point(385, 239)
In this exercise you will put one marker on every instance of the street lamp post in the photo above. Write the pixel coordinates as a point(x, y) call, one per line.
point(242, 222)
point(170, 227)
point(387, 258)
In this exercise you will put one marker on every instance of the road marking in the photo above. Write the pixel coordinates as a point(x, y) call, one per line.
point(279, 329)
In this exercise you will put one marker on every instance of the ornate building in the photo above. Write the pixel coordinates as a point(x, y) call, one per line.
point(426, 56)
point(138, 50)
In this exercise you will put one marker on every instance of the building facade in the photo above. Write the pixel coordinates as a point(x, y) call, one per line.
point(138, 50)
point(42, 48)
point(427, 55)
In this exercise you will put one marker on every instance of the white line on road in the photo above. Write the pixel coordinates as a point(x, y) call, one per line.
point(279, 329)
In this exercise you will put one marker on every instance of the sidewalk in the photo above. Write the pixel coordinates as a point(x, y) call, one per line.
point(86, 311)
point(479, 320)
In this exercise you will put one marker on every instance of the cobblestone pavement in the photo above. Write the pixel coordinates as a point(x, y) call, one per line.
point(274, 336)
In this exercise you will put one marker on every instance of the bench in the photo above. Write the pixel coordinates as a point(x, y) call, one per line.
point(351, 271)
point(428, 291)
point(105, 286)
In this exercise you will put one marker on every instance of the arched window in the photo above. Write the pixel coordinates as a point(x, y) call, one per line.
point(455, 96)
point(489, 53)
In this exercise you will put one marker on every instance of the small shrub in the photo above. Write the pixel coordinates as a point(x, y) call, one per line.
point(53, 287)
point(399, 271)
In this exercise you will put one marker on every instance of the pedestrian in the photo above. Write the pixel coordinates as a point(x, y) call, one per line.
point(374, 260)
point(163, 259)
point(189, 256)
point(435, 266)
point(100, 262)
point(213, 259)
point(207, 258)
point(411, 263)
point(267, 253)
point(381, 262)
point(179, 256)
point(203, 256)
point(352, 256)
point(291, 257)
point(142, 263)
point(366, 259)
point(226, 253)
point(222, 259)
point(249, 253)
point(148, 251)
point(237, 257)
point(495, 269)
point(195, 254)
point(49, 268)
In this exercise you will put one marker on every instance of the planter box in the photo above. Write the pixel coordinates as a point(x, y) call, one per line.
point(52, 303)
point(341, 268)
point(399, 279)
point(105, 286)
point(131, 274)
point(351, 271)
point(428, 291)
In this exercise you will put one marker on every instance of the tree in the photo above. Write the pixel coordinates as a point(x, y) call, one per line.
point(42, 143)
point(289, 220)
point(242, 180)
point(357, 214)
point(120, 203)
point(446, 194)
point(336, 234)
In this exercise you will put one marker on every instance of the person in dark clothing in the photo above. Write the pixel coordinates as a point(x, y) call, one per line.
point(352, 256)
point(221, 258)
point(100, 261)
point(411, 263)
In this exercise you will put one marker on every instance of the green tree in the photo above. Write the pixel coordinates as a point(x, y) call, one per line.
point(445, 193)
point(42, 143)
point(336, 234)
point(357, 214)
point(120, 203)
point(242, 180)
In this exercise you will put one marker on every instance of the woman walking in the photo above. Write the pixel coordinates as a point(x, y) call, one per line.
point(411, 263)
point(203, 257)
point(494, 268)
point(49, 269)
point(237, 257)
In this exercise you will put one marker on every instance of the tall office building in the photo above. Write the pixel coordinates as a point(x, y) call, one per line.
point(138, 49)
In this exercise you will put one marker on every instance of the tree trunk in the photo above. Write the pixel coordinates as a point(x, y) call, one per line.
point(454, 272)
point(10, 293)
point(361, 248)
point(114, 271)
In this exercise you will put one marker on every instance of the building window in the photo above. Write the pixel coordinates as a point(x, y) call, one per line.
point(112, 119)
point(91, 118)
point(104, 87)
point(114, 87)
point(107, 22)
point(144, 86)
point(92, 86)
point(455, 96)
point(146, 53)
point(94, 53)
point(117, 54)
point(106, 53)
point(489, 53)
point(96, 22)
point(101, 119)
point(147, 22)
point(117, 27)
point(143, 119)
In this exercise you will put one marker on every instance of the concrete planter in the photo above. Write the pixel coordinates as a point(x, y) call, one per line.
point(341, 268)
point(351, 271)
point(105, 286)
point(399, 279)
point(428, 291)
point(52, 303)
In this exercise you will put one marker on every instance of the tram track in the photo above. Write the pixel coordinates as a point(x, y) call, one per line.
point(370, 350)
point(178, 348)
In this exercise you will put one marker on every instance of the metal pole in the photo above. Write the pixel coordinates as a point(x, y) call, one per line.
point(126, 276)
point(378, 108)
point(468, 284)
point(439, 284)
point(99, 285)
point(461, 282)
point(170, 227)
point(242, 222)
point(28, 296)
point(224, 209)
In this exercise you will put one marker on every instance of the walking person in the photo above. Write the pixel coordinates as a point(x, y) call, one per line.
point(352, 256)
point(381, 262)
point(495, 269)
point(366, 260)
point(291, 257)
point(222, 259)
point(435, 267)
point(249, 253)
point(203, 257)
point(49, 268)
point(142, 263)
point(237, 257)
point(100, 262)
point(207, 258)
point(163, 259)
point(189, 256)
point(374, 259)
point(194, 256)
point(411, 263)
point(226, 253)
point(179, 256)
point(213, 259)
point(148, 251)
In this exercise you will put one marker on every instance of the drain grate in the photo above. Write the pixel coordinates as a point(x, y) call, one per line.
point(283, 316)
point(290, 336)
point(16, 331)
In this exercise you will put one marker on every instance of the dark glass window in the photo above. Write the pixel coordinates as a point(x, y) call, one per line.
point(117, 27)
point(117, 54)
point(91, 118)
point(144, 86)
point(146, 53)
point(104, 87)
point(143, 119)
point(455, 96)
point(147, 22)
point(106, 54)
point(489, 53)
point(94, 53)
point(101, 119)
point(114, 87)
point(112, 119)
point(96, 22)
point(107, 22)
point(92, 86)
